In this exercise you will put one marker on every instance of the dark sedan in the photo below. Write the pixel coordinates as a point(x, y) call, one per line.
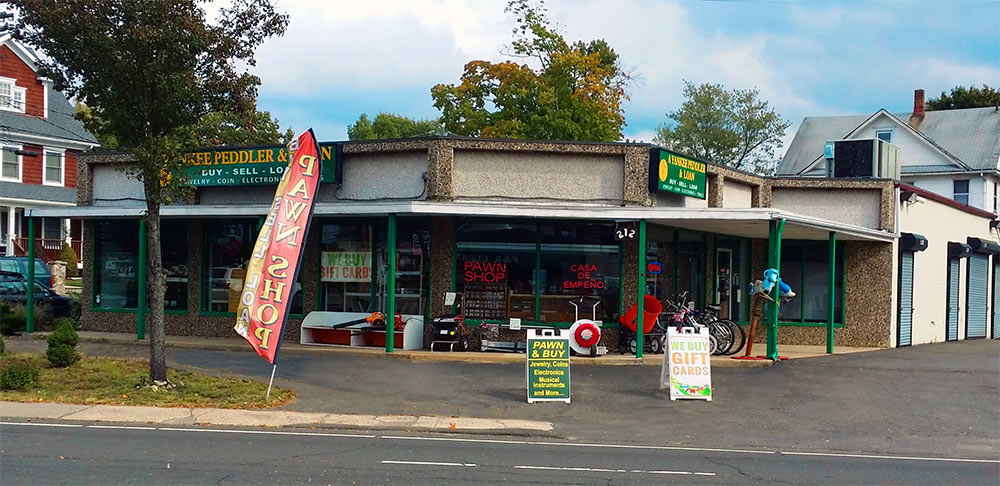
point(13, 291)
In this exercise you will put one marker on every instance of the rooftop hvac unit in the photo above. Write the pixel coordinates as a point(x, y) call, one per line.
point(867, 158)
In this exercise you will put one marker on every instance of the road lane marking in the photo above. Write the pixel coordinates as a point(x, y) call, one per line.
point(516, 442)
point(423, 463)
point(597, 469)
point(580, 444)
point(901, 458)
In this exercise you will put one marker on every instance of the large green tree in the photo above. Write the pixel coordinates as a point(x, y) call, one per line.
point(962, 97)
point(154, 70)
point(734, 128)
point(575, 93)
point(388, 125)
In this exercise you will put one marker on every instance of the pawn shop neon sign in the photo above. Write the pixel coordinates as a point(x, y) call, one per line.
point(584, 277)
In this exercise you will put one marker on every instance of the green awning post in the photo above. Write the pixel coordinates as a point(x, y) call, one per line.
point(639, 334)
point(776, 228)
point(143, 264)
point(831, 291)
point(29, 316)
point(390, 285)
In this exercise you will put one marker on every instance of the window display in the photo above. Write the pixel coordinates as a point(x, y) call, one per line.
point(804, 267)
point(116, 257)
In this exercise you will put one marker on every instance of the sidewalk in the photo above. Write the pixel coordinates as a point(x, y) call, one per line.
point(612, 359)
point(264, 418)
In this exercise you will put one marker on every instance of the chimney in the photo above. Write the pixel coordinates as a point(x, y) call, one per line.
point(918, 109)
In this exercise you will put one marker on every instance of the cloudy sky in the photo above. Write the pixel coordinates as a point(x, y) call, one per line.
point(808, 58)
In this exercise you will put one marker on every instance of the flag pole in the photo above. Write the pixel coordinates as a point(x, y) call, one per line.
point(269, 383)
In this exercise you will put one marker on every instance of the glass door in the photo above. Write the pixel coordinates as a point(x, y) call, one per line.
point(724, 291)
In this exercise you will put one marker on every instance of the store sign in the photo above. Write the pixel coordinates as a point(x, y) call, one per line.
point(490, 272)
point(548, 365)
point(653, 267)
point(585, 277)
point(345, 266)
point(277, 254)
point(249, 166)
point(687, 364)
point(679, 174)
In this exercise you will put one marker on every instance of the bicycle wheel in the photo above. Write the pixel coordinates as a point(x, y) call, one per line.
point(723, 336)
point(739, 337)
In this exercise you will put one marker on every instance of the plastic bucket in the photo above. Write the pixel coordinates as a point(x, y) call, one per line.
point(651, 308)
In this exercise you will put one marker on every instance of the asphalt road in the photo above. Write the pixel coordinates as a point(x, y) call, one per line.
point(79, 454)
point(930, 400)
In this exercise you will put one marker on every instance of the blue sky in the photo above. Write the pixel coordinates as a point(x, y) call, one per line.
point(808, 58)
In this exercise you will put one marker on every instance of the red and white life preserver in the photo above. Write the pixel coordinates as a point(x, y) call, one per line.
point(586, 333)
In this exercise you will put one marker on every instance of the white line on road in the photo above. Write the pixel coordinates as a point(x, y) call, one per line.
point(520, 442)
point(902, 458)
point(595, 469)
point(422, 463)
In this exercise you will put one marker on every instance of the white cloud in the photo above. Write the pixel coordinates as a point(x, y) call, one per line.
point(947, 73)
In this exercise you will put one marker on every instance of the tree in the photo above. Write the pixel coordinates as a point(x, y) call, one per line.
point(734, 128)
point(154, 70)
point(962, 97)
point(388, 125)
point(575, 94)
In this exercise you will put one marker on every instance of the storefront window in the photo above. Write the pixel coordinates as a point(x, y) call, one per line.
point(116, 245)
point(346, 270)
point(174, 242)
point(413, 249)
point(804, 267)
point(498, 262)
point(681, 255)
point(228, 246)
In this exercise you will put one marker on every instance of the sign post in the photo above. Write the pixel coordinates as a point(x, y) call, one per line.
point(687, 364)
point(548, 366)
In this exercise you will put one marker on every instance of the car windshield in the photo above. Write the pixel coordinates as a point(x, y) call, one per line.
point(40, 268)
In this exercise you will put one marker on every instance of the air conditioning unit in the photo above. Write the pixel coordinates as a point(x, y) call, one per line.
point(866, 159)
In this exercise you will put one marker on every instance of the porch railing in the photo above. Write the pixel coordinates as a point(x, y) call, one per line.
point(46, 248)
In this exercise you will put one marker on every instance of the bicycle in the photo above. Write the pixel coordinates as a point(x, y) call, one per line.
point(684, 316)
point(739, 336)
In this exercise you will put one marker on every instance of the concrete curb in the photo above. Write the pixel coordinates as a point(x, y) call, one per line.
point(266, 418)
point(419, 356)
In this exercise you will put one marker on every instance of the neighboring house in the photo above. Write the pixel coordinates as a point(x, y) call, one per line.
point(39, 144)
point(954, 153)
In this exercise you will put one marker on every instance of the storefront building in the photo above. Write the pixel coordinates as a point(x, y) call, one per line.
point(519, 229)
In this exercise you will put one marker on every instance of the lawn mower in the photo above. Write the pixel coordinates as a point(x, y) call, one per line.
point(448, 329)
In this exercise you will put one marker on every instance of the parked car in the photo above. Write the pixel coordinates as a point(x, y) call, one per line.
point(13, 291)
point(222, 284)
point(20, 265)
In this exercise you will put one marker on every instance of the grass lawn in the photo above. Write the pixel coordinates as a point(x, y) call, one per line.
point(109, 381)
point(74, 283)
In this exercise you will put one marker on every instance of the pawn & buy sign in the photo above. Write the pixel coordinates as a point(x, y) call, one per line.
point(548, 365)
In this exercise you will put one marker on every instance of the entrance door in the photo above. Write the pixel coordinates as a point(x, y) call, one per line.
point(977, 292)
point(724, 291)
point(951, 321)
point(904, 333)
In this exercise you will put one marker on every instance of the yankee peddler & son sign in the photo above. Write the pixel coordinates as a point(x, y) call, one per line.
point(250, 166)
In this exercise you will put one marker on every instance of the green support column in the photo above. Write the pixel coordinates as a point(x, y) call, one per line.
point(774, 257)
point(831, 269)
point(143, 264)
point(29, 317)
point(639, 335)
point(390, 285)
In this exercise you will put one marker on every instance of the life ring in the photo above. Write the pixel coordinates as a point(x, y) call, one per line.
point(586, 334)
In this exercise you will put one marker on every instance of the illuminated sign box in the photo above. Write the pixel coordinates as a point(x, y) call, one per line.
point(252, 166)
point(670, 172)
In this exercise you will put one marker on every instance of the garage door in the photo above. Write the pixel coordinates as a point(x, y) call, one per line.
point(951, 330)
point(996, 300)
point(978, 292)
point(904, 334)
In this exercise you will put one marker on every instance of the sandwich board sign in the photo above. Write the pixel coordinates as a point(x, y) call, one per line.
point(548, 365)
point(687, 364)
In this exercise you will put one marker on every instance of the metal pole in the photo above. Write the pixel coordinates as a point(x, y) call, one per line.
point(831, 289)
point(29, 317)
point(143, 264)
point(639, 326)
point(390, 285)
point(267, 397)
point(772, 330)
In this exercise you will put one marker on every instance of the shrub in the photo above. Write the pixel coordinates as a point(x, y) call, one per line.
point(4, 309)
point(69, 256)
point(1, 345)
point(62, 355)
point(64, 333)
point(18, 376)
point(12, 323)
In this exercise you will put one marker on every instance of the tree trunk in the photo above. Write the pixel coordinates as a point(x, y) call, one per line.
point(156, 288)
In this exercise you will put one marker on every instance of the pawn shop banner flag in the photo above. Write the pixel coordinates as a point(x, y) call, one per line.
point(277, 255)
